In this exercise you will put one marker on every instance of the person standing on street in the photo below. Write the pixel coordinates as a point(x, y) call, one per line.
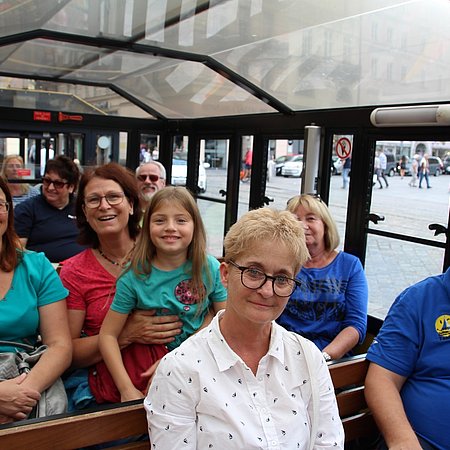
point(414, 171)
point(424, 171)
point(383, 165)
point(347, 164)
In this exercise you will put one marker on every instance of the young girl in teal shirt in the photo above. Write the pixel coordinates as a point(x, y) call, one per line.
point(170, 272)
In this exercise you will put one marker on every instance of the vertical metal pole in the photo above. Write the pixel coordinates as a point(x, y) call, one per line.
point(311, 158)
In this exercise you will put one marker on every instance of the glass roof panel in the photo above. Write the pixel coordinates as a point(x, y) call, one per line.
point(18, 16)
point(367, 59)
point(51, 96)
point(47, 58)
point(187, 89)
point(305, 54)
point(225, 25)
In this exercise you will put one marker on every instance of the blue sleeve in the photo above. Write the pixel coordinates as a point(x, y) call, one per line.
point(356, 299)
point(397, 344)
point(23, 218)
point(218, 292)
point(125, 299)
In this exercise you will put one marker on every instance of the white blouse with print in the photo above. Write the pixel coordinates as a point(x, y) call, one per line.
point(204, 396)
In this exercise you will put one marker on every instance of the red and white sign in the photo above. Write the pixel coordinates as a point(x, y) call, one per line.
point(42, 116)
point(343, 148)
point(23, 172)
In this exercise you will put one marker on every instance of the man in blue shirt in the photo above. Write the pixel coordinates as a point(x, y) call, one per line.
point(408, 382)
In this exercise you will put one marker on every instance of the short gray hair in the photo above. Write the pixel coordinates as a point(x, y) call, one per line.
point(267, 225)
point(162, 169)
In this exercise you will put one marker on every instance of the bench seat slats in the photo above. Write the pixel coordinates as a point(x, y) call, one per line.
point(346, 373)
point(348, 378)
point(359, 426)
point(351, 401)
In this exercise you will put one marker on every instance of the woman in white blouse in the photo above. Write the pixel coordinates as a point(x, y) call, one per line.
point(244, 381)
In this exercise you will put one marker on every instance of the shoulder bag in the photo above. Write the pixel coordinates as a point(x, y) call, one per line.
point(54, 399)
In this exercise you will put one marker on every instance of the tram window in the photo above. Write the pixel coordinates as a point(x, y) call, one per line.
point(213, 216)
point(103, 149)
point(214, 167)
point(149, 148)
point(392, 266)
point(123, 141)
point(282, 188)
point(407, 212)
point(340, 181)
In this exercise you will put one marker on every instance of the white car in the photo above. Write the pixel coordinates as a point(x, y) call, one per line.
point(179, 174)
point(293, 167)
point(337, 166)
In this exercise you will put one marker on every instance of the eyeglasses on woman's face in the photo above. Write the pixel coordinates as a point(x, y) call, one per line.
point(252, 278)
point(4, 207)
point(113, 199)
point(58, 184)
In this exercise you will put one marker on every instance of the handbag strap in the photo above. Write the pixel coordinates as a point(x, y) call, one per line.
point(313, 407)
point(27, 347)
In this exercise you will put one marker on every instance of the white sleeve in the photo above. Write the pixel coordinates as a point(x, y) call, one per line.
point(171, 407)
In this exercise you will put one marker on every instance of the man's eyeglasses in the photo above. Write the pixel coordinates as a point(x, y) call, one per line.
point(254, 279)
point(58, 184)
point(113, 199)
point(153, 178)
point(4, 207)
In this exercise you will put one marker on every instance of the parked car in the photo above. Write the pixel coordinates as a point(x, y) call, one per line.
point(337, 165)
point(179, 173)
point(279, 163)
point(436, 165)
point(391, 165)
point(446, 163)
point(293, 167)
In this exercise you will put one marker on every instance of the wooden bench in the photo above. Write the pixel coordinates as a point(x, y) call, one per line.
point(348, 377)
point(117, 422)
point(77, 430)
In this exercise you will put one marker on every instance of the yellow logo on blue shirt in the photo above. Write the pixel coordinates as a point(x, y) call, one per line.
point(442, 326)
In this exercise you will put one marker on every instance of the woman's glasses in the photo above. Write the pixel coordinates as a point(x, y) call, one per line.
point(153, 178)
point(113, 199)
point(254, 279)
point(58, 184)
point(4, 207)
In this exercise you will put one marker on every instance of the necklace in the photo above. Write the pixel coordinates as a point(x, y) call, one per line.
point(116, 263)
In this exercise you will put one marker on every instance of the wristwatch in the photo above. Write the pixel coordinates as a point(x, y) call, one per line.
point(326, 356)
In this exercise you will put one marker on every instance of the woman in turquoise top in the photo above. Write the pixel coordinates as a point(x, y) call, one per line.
point(32, 303)
point(171, 272)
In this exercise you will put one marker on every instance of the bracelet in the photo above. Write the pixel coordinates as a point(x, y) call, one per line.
point(326, 356)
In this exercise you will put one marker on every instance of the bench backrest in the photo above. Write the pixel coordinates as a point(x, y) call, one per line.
point(348, 377)
point(80, 430)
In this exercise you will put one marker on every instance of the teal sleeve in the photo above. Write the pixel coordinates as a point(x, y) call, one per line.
point(47, 284)
point(125, 299)
point(218, 292)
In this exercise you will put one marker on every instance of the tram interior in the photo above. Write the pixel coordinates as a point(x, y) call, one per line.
point(102, 79)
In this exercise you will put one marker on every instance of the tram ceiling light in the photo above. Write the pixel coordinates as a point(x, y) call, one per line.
point(411, 116)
